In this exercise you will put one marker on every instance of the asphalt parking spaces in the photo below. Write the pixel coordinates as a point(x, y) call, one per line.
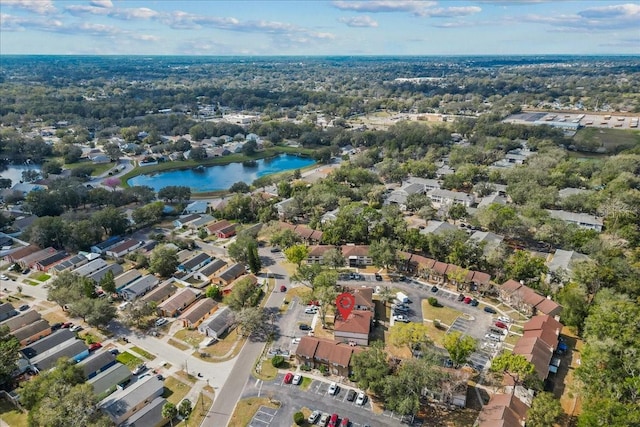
point(461, 325)
point(263, 417)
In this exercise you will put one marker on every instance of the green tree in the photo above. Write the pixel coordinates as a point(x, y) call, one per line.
point(240, 248)
point(163, 261)
point(185, 408)
point(138, 314)
point(66, 372)
point(244, 294)
point(251, 320)
point(410, 334)
point(111, 220)
point(307, 273)
point(213, 292)
point(298, 418)
point(545, 411)
point(107, 283)
point(459, 347)
point(255, 265)
point(457, 211)
point(49, 231)
point(370, 368)
point(326, 296)
point(9, 346)
point(284, 238)
point(102, 312)
point(402, 392)
point(296, 254)
point(522, 265)
point(514, 365)
point(169, 411)
point(383, 252)
point(575, 308)
point(333, 258)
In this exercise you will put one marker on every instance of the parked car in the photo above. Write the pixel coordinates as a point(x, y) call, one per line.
point(161, 321)
point(56, 326)
point(434, 289)
point(304, 327)
point(355, 276)
point(24, 307)
point(295, 341)
point(313, 417)
point(275, 249)
point(345, 422)
point(114, 351)
point(490, 310)
point(333, 421)
point(492, 337)
point(66, 325)
point(324, 419)
point(311, 310)
point(461, 297)
point(504, 319)
point(333, 389)
point(297, 379)
point(467, 300)
point(27, 271)
point(361, 398)
point(283, 288)
point(76, 328)
point(95, 346)
point(139, 369)
point(474, 302)
point(378, 277)
point(501, 325)
point(4, 277)
point(400, 318)
point(351, 395)
point(288, 378)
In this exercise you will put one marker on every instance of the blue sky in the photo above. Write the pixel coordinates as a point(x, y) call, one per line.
point(322, 27)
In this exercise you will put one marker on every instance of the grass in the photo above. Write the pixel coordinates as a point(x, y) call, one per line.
point(223, 346)
point(128, 359)
point(301, 292)
point(175, 390)
point(39, 276)
point(446, 315)
point(54, 317)
point(12, 416)
point(267, 373)
point(143, 353)
point(191, 337)
point(306, 383)
point(178, 344)
point(512, 339)
point(199, 411)
point(96, 169)
point(613, 140)
point(31, 282)
point(437, 335)
point(246, 409)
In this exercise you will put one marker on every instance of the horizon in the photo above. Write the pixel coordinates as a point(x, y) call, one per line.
point(320, 28)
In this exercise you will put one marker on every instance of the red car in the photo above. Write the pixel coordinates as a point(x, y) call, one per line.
point(345, 422)
point(283, 288)
point(95, 346)
point(288, 378)
point(501, 325)
point(66, 325)
point(333, 421)
point(467, 300)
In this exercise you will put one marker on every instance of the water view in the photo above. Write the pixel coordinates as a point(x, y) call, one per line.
point(14, 172)
point(221, 177)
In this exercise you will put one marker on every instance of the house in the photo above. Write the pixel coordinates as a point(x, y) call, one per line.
point(200, 222)
point(490, 240)
point(438, 227)
point(561, 263)
point(316, 253)
point(527, 300)
point(184, 220)
point(491, 199)
point(150, 415)
point(102, 247)
point(126, 402)
point(173, 306)
point(503, 410)
point(123, 248)
point(7, 311)
point(211, 269)
point(284, 206)
point(22, 319)
point(582, 220)
point(109, 378)
point(197, 207)
point(90, 268)
point(161, 293)
point(47, 343)
point(354, 328)
point(139, 287)
point(99, 362)
point(198, 312)
point(536, 351)
point(97, 276)
point(218, 324)
point(364, 299)
point(251, 278)
point(229, 274)
point(32, 332)
point(68, 264)
point(221, 229)
point(30, 260)
point(440, 197)
point(308, 235)
point(334, 356)
point(545, 327)
point(50, 261)
point(21, 253)
point(357, 255)
point(195, 263)
point(126, 278)
point(73, 349)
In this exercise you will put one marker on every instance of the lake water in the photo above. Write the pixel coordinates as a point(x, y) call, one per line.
point(14, 172)
point(221, 177)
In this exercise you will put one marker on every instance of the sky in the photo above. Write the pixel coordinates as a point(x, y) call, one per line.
point(319, 27)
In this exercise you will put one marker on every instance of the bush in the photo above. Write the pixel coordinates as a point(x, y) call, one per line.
point(298, 418)
point(433, 301)
point(277, 361)
point(305, 368)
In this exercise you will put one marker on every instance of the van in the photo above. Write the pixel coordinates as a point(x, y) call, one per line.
point(402, 298)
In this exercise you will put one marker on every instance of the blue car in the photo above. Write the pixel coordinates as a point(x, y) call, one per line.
point(490, 310)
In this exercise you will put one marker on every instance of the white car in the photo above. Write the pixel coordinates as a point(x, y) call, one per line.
point(76, 328)
point(312, 309)
point(314, 417)
point(161, 321)
point(401, 318)
point(504, 319)
point(297, 379)
point(333, 389)
point(492, 337)
point(4, 277)
point(295, 341)
point(361, 399)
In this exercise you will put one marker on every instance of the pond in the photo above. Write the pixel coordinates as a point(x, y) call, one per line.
point(14, 172)
point(221, 177)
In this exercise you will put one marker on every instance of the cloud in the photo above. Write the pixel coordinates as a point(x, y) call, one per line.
point(456, 24)
point(359, 21)
point(41, 7)
point(102, 3)
point(451, 12)
point(619, 11)
point(124, 14)
point(613, 17)
point(380, 6)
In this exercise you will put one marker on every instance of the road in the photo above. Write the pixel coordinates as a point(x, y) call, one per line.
point(229, 395)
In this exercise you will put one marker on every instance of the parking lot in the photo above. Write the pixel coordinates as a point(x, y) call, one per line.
point(264, 417)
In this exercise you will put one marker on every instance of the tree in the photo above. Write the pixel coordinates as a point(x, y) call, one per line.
point(68, 406)
point(409, 334)
point(138, 313)
point(9, 346)
point(251, 320)
point(163, 261)
point(102, 312)
point(545, 411)
point(107, 283)
point(244, 294)
point(522, 265)
point(298, 418)
point(52, 167)
point(213, 292)
point(326, 295)
point(5, 183)
point(370, 368)
point(333, 258)
point(459, 347)
point(402, 391)
point(306, 274)
point(514, 365)
point(575, 308)
point(112, 220)
point(198, 153)
point(41, 203)
point(169, 411)
point(174, 192)
point(185, 408)
point(240, 187)
point(113, 151)
point(240, 248)
point(284, 238)
point(148, 214)
point(49, 231)
point(383, 252)
point(296, 254)
point(112, 183)
point(30, 175)
point(255, 265)
point(457, 211)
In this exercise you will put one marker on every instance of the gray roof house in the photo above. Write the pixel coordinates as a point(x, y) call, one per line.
point(438, 227)
point(116, 269)
point(126, 278)
point(110, 377)
point(90, 268)
point(149, 416)
point(161, 293)
point(580, 219)
point(197, 207)
point(73, 262)
point(441, 197)
point(21, 320)
point(218, 324)
point(48, 359)
point(124, 403)
point(491, 241)
point(195, 262)
point(7, 311)
point(99, 362)
point(139, 287)
point(562, 262)
point(213, 267)
point(48, 343)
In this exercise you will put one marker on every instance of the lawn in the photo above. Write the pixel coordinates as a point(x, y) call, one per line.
point(437, 335)
point(191, 337)
point(10, 415)
point(178, 344)
point(306, 382)
point(446, 315)
point(246, 409)
point(39, 276)
point(143, 353)
point(175, 390)
point(97, 169)
point(301, 292)
point(512, 339)
point(613, 140)
point(267, 371)
point(128, 359)
point(199, 411)
point(221, 347)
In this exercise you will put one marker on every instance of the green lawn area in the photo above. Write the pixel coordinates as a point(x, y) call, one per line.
point(246, 409)
point(446, 315)
point(175, 390)
point(97, 169)
point(39, 276)
point(512, 339)
point(306, 382)
point(222, 347)
point(143, 353)
point(267, 372)
point(613, 140)
point(128, 359)
point(10, 415)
